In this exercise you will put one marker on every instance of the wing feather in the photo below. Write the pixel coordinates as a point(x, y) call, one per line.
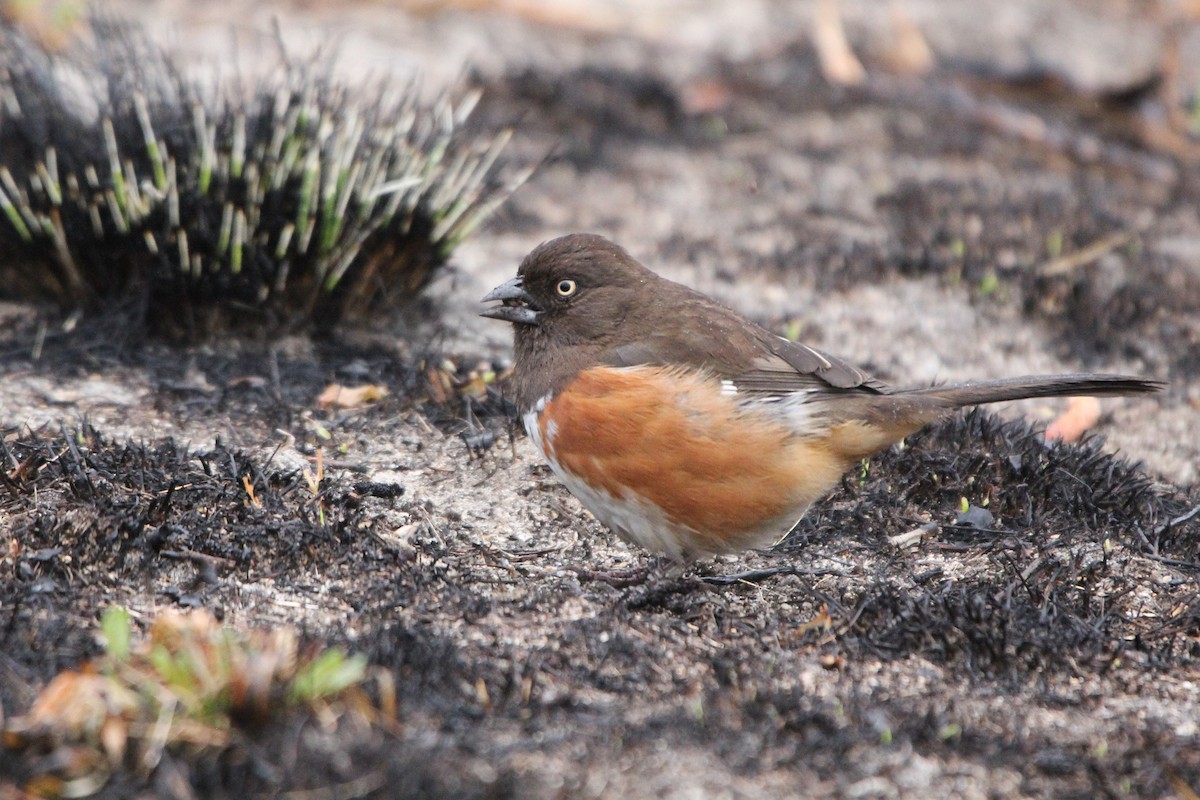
point(753, 359)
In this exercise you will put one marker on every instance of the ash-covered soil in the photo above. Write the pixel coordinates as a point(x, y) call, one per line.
point(927, 228)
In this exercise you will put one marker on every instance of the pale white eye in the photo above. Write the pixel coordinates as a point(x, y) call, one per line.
point(565, 287)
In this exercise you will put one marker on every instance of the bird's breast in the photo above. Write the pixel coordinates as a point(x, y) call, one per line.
point(659, 452)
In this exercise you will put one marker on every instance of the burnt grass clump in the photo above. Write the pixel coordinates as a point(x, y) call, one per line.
point(290, 201)
point(1057, 592)
point(93, 514)
point(97, 523)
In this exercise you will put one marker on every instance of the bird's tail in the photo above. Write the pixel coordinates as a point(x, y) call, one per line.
point(868, 423)
point(973, 394)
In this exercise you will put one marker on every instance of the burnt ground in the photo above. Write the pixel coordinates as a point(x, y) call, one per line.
point(922, 227)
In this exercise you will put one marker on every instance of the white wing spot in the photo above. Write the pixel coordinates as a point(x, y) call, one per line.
point(796, 410)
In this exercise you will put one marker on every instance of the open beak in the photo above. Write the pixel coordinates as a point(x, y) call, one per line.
point(517, 305)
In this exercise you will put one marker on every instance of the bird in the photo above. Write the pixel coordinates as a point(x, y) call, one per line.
point(688, 429)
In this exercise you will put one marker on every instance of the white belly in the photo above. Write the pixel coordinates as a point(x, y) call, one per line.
point(634, 520)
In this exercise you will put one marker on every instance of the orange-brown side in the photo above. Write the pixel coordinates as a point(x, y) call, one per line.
point(672, 438)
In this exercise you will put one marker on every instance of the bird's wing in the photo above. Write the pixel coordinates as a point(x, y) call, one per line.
point(755, 361)
point(791, 366)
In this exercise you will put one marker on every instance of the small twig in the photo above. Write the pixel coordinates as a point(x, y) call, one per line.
point(618, 579)
point(1190, 515)
point(1069, 262)
point(349, 466)
point(1173, 562)
point(1028, 572)
point(914, 537)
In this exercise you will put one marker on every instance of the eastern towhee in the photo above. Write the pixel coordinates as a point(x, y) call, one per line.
point(688, 429)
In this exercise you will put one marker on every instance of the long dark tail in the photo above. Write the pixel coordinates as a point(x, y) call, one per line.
point(972, 394)
point(876, 421)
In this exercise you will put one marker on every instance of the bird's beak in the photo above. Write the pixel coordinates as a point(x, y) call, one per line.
point(518, 306)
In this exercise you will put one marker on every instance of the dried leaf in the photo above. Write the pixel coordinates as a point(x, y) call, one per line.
point(338, 396)
point(909, 53)
point(839, 65)
point(1082, 413)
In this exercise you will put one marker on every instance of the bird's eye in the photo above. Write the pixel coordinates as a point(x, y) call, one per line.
point(565, 288)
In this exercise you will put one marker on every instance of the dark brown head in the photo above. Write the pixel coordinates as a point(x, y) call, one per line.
point(575, 299)
point(575, 289)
